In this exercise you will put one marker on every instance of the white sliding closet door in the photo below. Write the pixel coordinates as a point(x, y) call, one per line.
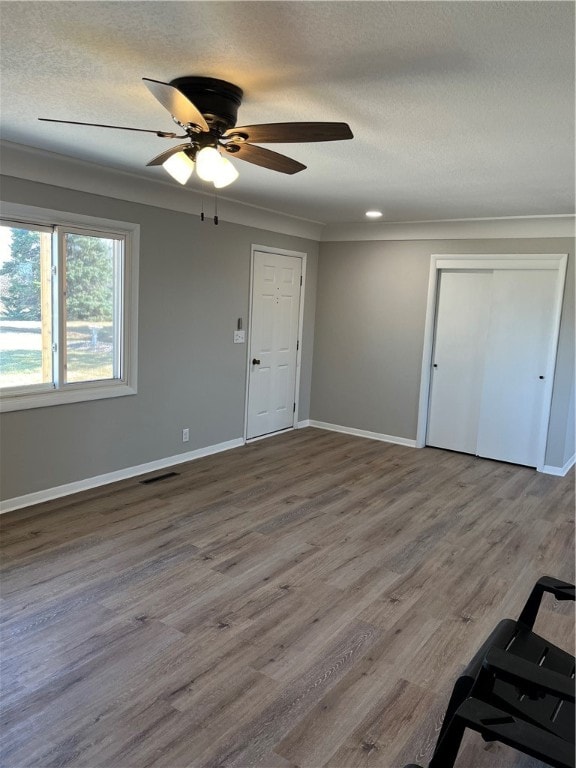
point(516, 367)
point(494, 337)
point(458, 362)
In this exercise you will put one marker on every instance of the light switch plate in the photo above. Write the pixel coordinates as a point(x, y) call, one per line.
point(239, 337)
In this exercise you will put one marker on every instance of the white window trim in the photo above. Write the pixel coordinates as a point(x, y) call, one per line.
point(94, 390)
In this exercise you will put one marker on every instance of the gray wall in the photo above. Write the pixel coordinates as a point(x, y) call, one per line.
point(194, 284)
point(361, 349)
point(369, 335)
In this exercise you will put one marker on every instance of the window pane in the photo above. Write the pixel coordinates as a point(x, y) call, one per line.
point(25, 307)
point(92, 318)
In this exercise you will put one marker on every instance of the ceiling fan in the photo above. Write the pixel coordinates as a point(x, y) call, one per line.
point(206, 111)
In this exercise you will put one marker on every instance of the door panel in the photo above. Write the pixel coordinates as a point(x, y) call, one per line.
point(285, 311)
point(273, 342)
point(517, 351)
point(265, 322)
point(458, 360)
point(282, 391)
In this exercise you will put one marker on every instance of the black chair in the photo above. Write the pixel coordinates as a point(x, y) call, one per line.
point(518, 689)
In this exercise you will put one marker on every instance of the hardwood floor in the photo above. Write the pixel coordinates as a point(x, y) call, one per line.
point(305, 600)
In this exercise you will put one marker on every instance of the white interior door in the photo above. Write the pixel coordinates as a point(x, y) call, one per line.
point(273, 342)
point(517, 365)
point(458, 359)
point(493, 354)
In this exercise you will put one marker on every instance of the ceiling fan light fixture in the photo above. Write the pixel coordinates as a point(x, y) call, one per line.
point(226, 174)
point(206, 110)
point(180, 166)
point(208, 162)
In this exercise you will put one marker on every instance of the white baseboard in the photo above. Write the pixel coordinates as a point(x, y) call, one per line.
point(29, 499)
point(360, 433)
point(9, 505)
point(548, 469)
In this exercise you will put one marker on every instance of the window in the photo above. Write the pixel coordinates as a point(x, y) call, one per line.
point(67, 308)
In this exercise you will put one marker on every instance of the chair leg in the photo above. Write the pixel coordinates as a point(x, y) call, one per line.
point(448, 745)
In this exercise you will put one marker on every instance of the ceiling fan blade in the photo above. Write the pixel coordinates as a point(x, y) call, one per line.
point(163, 156)
point(292, 132)
point(264, 157)
point(176, 103)
point(162, 134)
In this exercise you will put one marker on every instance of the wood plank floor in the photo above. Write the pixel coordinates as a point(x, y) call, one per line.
point(305, 600)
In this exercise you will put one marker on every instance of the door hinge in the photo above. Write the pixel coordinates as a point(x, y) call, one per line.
point(294, 409)
point(300, 279)
point(297, 345)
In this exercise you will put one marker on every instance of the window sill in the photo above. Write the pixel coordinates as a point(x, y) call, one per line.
point(72, 394)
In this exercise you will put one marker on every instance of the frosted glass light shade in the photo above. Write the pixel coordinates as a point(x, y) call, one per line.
point(208, 163)
point(226, 174)
point(179, 166)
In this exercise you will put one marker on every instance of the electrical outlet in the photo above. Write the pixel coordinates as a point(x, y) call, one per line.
point(185, 435)
point(239, 337)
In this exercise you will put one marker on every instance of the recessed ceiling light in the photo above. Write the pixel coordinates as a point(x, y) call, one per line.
point(373, 214)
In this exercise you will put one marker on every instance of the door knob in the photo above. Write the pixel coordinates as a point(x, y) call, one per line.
point(255, 362)
point(540, 377)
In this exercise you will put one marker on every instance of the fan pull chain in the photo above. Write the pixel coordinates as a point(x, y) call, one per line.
point(203, 217)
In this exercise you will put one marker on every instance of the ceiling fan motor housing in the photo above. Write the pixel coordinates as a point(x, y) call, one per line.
point(217, 100)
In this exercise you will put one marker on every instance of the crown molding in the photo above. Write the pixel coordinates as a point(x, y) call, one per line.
point(58, 170)
point(454, 229)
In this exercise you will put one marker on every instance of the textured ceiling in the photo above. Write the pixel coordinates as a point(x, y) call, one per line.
point(459, 109)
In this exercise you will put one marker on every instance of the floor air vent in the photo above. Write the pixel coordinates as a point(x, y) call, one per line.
point(159, 477)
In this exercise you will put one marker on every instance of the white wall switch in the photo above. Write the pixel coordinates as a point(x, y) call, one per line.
point(185, 435)
point(239, 337)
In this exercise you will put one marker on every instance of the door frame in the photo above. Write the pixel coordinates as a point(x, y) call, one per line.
point(552, 261)
point(281, 252)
